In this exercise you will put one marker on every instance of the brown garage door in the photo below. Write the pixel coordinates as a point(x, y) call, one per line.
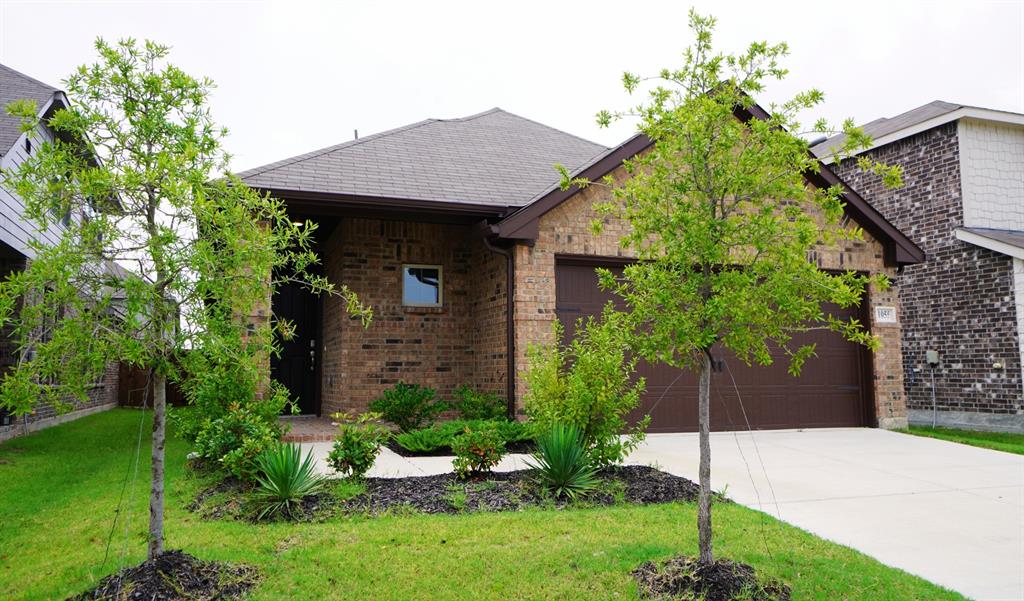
point(832, 391)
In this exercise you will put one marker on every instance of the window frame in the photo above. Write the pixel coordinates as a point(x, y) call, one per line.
point(440, 284)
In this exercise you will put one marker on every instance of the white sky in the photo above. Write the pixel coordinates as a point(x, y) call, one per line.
point(296, 76)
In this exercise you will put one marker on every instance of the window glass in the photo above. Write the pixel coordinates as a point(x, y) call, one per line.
point(421, 285)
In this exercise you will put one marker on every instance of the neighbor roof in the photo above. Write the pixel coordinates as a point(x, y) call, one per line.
point(1007, 242)
point(938, 112)
point(494, 158)
point(15, 85)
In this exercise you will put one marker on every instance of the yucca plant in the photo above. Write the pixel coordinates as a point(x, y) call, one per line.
point(562, 463)
point(284, 479)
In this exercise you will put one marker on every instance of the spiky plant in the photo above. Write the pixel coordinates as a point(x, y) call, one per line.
point(284, 478)
point(562, 463)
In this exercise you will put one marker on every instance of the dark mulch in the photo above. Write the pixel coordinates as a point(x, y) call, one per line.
point(445, 493)
point(510, 491)
point(723, 580)
point(175, 575)
point(524, 447)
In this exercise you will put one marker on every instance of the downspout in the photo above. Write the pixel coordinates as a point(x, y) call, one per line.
point(510, 343)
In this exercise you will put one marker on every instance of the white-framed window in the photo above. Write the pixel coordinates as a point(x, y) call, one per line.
point(422, 285)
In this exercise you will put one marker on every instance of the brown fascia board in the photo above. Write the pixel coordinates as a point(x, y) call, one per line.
point(333, 203)
point(523, 225)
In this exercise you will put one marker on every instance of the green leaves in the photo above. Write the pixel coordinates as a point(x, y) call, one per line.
point(724, 224)
point(562, 462)
point(285, 478)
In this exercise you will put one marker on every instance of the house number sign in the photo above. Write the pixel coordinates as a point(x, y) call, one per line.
point(885, 314)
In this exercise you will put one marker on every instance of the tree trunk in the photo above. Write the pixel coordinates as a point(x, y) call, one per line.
point(704, 497)
point(156, 495)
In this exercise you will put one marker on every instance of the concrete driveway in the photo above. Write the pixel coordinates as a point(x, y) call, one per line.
point(950, 513)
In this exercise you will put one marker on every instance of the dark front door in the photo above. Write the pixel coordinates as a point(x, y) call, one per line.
point(298, 366)
point(833, 390)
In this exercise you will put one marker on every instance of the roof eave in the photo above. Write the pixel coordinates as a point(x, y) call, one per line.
point(523, 225)
point(329, 202)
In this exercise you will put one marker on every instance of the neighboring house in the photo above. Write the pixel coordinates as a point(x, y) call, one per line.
point(456, 233)
point(963, 202)
point(16, 232)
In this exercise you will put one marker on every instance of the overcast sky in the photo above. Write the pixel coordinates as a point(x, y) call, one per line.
point(295, 76)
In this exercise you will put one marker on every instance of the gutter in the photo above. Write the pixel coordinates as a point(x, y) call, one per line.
point(510, 341)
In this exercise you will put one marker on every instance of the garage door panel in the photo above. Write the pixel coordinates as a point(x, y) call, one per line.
point(832, 390)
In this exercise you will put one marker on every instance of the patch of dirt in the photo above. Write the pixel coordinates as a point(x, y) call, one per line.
point(723, 580)
point(172, 576)
point(510, 491)
point(523, 447)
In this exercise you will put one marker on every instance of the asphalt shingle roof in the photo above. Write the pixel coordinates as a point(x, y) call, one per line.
point(16, 86)
point(887, 125)
point(492, 158)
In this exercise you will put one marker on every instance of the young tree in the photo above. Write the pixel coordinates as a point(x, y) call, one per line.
point(722, 222)
point(153, 250)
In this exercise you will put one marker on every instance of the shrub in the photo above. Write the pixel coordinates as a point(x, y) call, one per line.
point(587, 383)
point(234, 439)
point(477, 450)
point(562, 462)
point(473, 404)
point(226, 421)
point(358, 443)
point(439, 436)
point(284, 479)
point(408, 406)
point(426, 440)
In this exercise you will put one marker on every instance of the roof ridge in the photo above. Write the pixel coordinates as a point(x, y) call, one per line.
point(17, 73)
point(546, 126)
point(329, 149)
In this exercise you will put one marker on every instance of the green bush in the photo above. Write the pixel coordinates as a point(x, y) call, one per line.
point(408, 406)
point(477, 450)
point(358, 443)
point(284, 479)
point(226, 421)
point(587, 383)
point(562, 463)
point(473, 404)
point(235, 438)
point(441, 435)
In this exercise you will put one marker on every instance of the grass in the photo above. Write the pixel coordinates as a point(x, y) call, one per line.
point(997, 441)
point(59, 490)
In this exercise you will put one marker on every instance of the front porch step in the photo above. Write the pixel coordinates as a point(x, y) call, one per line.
point(309, 428)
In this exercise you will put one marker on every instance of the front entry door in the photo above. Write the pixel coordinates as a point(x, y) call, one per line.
point(298, 366)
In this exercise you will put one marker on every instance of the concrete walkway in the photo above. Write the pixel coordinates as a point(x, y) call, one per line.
point(950, 513)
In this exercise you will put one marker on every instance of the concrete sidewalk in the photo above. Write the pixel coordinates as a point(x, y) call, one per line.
point(951, 513)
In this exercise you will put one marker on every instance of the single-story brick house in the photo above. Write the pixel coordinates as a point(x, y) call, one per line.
point(456, 232)
point(963, 202)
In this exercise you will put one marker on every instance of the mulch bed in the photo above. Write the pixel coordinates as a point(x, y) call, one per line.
point(446, 493)
point(175, 575)
point(723, 580)
point(524, 447)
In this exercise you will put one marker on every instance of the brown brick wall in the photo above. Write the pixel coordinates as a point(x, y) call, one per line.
point(960, 301)
point(461, 342)
point(567, 230)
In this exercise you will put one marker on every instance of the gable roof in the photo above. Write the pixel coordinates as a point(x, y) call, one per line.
point(890, 129)
point(492, 159)
point(15, 85)
point(523, 224)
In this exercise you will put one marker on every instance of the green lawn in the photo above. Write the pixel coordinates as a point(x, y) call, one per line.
point(59, 489)
point(999, 441)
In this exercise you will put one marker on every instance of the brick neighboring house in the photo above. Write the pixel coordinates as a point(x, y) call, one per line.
point(963, 203)
point(456, 232)
point(15, 251)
